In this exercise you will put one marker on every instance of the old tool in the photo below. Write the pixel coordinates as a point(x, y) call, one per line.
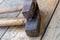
point(31, 13)
point(12, 21)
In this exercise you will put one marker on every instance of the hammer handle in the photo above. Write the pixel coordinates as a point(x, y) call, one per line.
point(10, 11)
point(12, 21)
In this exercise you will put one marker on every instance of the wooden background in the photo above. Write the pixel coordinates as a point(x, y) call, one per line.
point(47, 8)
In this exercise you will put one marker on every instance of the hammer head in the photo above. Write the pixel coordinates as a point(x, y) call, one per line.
point(29, 8)
point(32, 26)
point(31, 12)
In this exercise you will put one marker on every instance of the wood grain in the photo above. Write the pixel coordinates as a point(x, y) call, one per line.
point(53, 30)
point(10, 11)
point(18, 33)
point(9, 15)
point(46, 10)
point(11, 6)
point(12, 21)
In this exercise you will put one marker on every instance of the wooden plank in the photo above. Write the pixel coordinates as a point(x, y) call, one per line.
point(46, 10)
point(4, 29)
point(9, 15)
point(53, 30)
point(6, 5)
point(18, 33)
point(11, 6)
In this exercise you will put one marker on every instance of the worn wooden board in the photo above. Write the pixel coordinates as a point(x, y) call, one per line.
point(18, 33)
point(46, 10)
point(4, 29)
point(8, 4)
point(9, 15)
point(11, 6)
point(53, 30)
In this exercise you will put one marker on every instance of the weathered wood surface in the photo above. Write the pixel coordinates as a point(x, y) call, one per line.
point(8, 15)
point(18, 33)
point(4, 29)
point(46, 9)
point(53, 30)
point(11, 6)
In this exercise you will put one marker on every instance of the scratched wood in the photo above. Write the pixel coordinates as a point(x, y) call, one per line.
point(46, 8)
point(53, 30)
point(4, 29)
point(8, 4)
point(18, 33)
point(11, 5)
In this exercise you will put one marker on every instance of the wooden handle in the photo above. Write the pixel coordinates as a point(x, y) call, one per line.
point(10, 11)
point(4, 9)
point(12, 21)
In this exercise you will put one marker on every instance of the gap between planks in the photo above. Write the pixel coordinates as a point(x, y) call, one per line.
point(4, 29)
point(7, 4)
point(53, 30)
point(49, 20)
point(18, 33)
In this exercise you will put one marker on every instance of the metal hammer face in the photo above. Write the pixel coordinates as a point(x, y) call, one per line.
point(31, 12)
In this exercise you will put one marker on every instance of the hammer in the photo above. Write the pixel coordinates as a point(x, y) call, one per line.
point(32, 14)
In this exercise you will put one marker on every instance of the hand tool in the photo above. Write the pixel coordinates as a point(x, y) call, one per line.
point(32, 14)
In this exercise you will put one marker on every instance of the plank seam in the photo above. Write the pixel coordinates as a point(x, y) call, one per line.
point(8, 27)
point(49, 20)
